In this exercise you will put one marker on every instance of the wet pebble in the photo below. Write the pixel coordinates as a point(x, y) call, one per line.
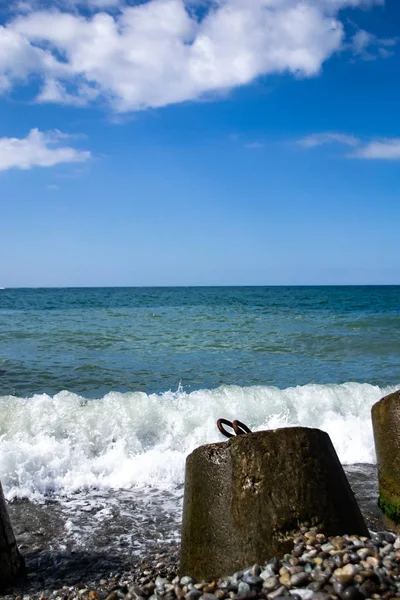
point(352, 593)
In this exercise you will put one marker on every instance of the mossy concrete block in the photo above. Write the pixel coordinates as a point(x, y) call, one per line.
point(11, 562)
point(386, 425)
point(246, 498)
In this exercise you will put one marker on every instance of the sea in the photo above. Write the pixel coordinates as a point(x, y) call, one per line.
point(105, 391)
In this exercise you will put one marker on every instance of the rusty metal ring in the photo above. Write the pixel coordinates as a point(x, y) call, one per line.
point(221, 423)
point(240, 428)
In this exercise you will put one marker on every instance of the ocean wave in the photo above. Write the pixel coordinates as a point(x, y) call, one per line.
point(64, 444)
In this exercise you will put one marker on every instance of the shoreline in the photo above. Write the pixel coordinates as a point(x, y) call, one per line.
point(49, 563)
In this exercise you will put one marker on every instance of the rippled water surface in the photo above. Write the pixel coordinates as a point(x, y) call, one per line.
point(92, 341)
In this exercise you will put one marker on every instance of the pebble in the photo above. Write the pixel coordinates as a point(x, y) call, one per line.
point(299, 579)
point(271, 583)
point(253, 580)
point(352, 593)
point(280, 591)
point(186, 580)
point(243, 588)
point(284, 579)
point(267, 573)
point(327, 547)
point(346, 567)
point(193, 594)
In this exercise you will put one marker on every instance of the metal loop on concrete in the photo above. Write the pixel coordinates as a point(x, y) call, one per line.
point(240, 428)
point(221, 423)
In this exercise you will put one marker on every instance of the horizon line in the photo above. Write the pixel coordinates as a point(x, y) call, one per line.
point(181, 286)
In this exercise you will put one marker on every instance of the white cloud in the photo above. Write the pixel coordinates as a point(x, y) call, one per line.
point(159, 52)
point(328, 137)
point(18, 59)
point(42, 149)
point(254, 145)
point(387, 149)
point(369, 47)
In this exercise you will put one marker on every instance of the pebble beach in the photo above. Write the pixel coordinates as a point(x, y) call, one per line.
point(320, 568)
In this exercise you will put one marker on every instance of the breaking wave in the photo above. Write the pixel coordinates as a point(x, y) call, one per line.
point(56, 446)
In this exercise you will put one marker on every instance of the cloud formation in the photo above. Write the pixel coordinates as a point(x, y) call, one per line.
point(42, 149)
point(161, 52)
point(382, 148)
point(387, 149)
point(367, 46)
point(328, 137)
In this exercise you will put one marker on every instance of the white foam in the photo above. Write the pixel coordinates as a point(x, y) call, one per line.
point(62, 444)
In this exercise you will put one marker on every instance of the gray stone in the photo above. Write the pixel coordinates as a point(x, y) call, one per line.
point(161, 581)
point(243, 588)
point(314, 586)
point(368, 588)
point(327, 547)
point(136, 591)
point(186, 580)
point(339, 588)
point(268, 572)
point(352, 593)
point(253, 580)
point(280, 591)
point(270, 583)
point(193, 595)
point(299, 579)
point(298, 550)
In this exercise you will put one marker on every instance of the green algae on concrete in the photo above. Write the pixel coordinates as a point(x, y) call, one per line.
point(386, 426)
point(391, 508)
point(245, 499)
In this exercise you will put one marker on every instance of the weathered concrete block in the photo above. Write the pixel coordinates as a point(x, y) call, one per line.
point(11, 562)
point(386, 425)
point(247, 497)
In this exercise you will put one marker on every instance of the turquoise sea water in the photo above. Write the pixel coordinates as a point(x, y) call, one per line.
point(95, 340)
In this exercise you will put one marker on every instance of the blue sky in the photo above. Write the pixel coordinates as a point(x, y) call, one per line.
point(174, 142)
